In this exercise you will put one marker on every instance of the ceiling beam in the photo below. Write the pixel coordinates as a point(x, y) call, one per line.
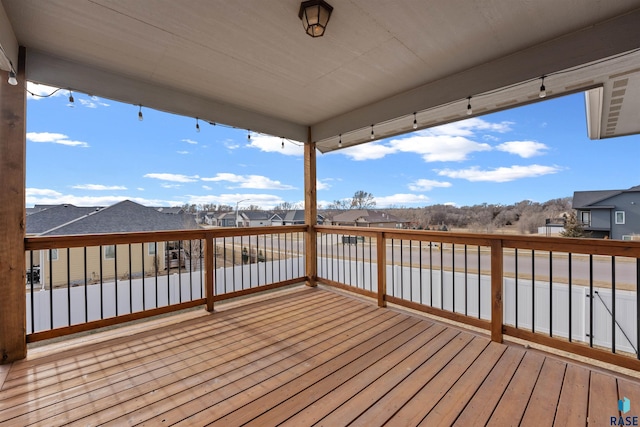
point(605, 39)
point(54, 71)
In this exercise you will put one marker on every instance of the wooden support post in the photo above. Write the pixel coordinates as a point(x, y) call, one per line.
point(381, 249)
point(209, 285)
point(13, 304)
point(310, 211)
point(496, 290)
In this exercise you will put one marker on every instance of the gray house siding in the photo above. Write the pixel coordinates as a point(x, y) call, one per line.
point(629, 203)
point(600, 219)
point(605, 206)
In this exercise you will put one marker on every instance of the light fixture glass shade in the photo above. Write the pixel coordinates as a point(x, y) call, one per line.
point(315, 15)
point(12, 78)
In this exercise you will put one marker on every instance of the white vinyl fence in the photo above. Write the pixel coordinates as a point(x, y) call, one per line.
point(98, 301)
point(424, 286)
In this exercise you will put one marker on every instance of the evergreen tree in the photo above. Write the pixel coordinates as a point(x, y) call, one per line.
point(573, 227)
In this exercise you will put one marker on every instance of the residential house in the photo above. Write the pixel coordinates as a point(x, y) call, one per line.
point(369, 218)
point(123, 217)
point(245, 219)
point(259, 218)
point(613, 214)
point(296, 217)
point(226, 219)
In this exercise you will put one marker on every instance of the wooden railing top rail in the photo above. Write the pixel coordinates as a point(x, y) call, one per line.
point(74, 241)
point(556, 244)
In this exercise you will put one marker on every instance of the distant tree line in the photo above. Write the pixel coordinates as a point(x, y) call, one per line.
point(526, 215)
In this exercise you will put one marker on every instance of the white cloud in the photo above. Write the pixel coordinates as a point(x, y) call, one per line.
point(443, 148)
point(250, 181)
point(41, 192)
point(265, 201)
point(273, 144)
point(468, 127)
point(173, 177)
point(370, 151)
point(43, 91)
point(501, 174)
point(322, 184)
point(170, 186)
point(523, 149)
point(54, 138)
point(92, 102)
point(42, 196)
point(452, 142)
point(182, 152)
point(140, 189)
point(99, 187)
point(206, 187)
point(427, 185)
point(400, 200)
point(231, 145)
point(190, 141)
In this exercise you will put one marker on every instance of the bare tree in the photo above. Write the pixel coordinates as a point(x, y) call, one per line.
point(338, 205)
point(362, 200)
point(286, 206)
point(225, 208)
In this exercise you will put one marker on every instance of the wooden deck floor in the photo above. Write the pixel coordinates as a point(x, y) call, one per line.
point(303, 357)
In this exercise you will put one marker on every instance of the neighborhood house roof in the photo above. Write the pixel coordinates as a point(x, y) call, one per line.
point(47, 218)
point(257, 215)
point(123, 217)
point(587, 199)
point(367, 215)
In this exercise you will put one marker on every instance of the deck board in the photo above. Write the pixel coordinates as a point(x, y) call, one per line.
point(306, 356)
point(541, 409)
point(574, 398)
point(603, 399)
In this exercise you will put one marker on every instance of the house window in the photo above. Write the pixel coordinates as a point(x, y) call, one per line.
point(619, 217)
point(585, 217)
point(152, 248)
point(110, 252)
point(53, 254)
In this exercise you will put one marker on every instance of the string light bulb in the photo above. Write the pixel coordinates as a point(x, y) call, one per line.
point(469, 109)
point(415, 121)
point(12, 80)
point(373, 135)
point(71, 100)
point(197, 126)
point(340, 141)
point(543, 90)
point(249, 135)
point(140, 117)
point(282, 145)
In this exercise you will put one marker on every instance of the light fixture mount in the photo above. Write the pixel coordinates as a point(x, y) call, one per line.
point(315, 15)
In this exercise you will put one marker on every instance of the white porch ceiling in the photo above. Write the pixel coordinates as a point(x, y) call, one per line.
point(249, 64)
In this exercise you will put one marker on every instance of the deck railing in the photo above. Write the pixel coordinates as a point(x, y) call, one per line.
point(78, 283)
point(577, 295)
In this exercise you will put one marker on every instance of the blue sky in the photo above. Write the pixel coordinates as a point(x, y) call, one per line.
point(95, 152)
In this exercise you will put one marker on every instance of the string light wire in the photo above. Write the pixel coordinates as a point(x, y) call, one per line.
point(487, 93)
